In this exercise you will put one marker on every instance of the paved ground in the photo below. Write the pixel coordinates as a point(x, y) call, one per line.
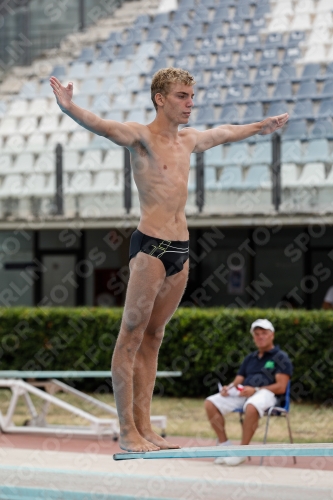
point(79, 469)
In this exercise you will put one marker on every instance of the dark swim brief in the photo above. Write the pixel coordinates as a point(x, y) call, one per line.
point(173, 254)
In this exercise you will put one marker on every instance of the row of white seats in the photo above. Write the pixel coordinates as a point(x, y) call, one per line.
point(103, 102)
point(40, 185)
point(60, 123)
point(301, 6)
point(300, 22)
point(72, 161)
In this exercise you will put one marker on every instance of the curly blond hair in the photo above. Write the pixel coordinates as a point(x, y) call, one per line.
point(164, 78)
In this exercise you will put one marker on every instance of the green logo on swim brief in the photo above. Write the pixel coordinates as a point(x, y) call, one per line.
point(269, 364)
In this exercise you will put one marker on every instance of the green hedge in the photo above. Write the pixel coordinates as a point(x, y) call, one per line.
point(206, 344)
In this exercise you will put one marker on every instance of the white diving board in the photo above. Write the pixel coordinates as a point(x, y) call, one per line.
point(71, 374)
point(267, 450)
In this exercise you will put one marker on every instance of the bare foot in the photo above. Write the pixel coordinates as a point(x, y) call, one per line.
point(159, 441)
point(135, 442)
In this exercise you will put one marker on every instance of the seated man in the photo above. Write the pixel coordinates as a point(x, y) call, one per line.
point(264, 374)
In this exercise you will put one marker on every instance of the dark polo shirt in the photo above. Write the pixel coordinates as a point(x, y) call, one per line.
point(258, 372)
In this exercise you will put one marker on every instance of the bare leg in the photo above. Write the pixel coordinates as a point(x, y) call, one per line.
point(216, 420)
point(145, 365)
point(146, 278)
point(250, 423)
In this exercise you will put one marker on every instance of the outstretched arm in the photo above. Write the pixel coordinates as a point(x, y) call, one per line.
point(120, 133)
point(232, 133)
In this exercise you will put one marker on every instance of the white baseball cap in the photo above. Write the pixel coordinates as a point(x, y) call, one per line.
point(262, 323)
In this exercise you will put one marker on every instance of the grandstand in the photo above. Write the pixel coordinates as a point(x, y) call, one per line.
point(251, 59)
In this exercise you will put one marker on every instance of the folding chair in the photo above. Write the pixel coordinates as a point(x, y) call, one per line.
point(274, 411)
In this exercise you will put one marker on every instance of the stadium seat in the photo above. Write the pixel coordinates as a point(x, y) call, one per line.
point(274, 40)
point(317, 151)
point(206, 116)
point(45, 162)
point(107, 53)
point(91, 160)
point(79, 183)
point(292, 54)
point(39, 107)
point(252, 42)
point(318, 36)
point(303, 109)
point(307, 90)
point(155, 34)
point(326, 108)
point(137, 115)
point(106, 182)
point(35, 185)
point(282, 90)
point(295, 37)
point(238, 154)
point(289, 175)
point(8, 126)
point(212, 96)
point(82, 101)
point(114, 159)
point(87, 55)
point(79, 140)
point(201, 61)
point(253, 113)
point(59, 71)
point(161, 19)
point(313, 174)
point(222, 14)
point(181, 18)
point(70, 160)
point(118, 67)
point(77, 70)
point(327, 90)
point(258, 177)
point(269, 56)
point(183, 62)
point(235, 94)
point(324, 6)
point(27, 125)
point(67, 124)
point(101, 103)
point(243, 11)
point(231, 43)
point(214, 157)
point(36, 142)
point(143, 100)
point(196, 30)
point(209, 44)
point(315, 53)
point(229, 114)
point(322, 129)
point(100, 142)
point(257, 24)
point(261, 10)
point(283, 8)
point(323, 19)
point(241, 76)
point(262, 154)
point(264, 74)
point(18, 107)
point(56, 138)
point(23, 163)
point(258, 93)
point(49, 124)
point(14, 144)
point(143, 20)
point(247, 57)
point(291, 151)
point(89, 87)
point(301, 22)
point(224, 60)
point(287, 73)
point(218, 78)
point(310, 71)
point(305, 6)
point(279, 23)
point(12, 186)
point(201, 14)
point(29, 90)
point(237, 28)
point(296, 129)
point(231, 178)
point(110, 85)
point(98, 69)
point(132, 83)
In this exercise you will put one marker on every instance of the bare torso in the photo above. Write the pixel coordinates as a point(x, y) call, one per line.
point(161, 165)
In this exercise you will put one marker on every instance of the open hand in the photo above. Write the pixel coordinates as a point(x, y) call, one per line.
point(63, 94)
point(270, 125)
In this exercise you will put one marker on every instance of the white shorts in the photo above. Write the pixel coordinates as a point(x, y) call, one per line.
point(261, 400)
